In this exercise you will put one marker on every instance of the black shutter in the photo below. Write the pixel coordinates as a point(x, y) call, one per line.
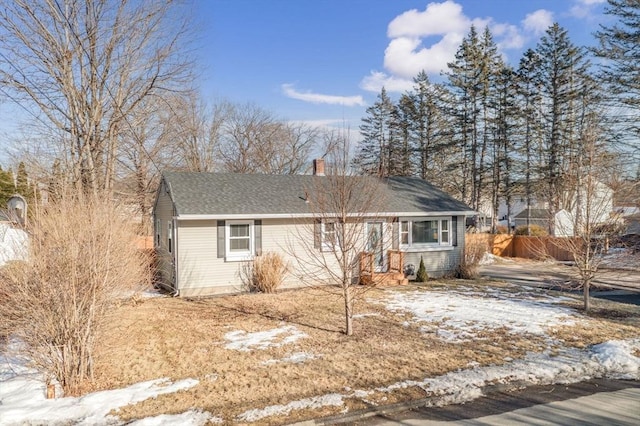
point(317, 234)
point(221, 238)
point(454, 230)
point(257, 229)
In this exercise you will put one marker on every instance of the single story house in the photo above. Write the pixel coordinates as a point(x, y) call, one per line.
point(207, 226)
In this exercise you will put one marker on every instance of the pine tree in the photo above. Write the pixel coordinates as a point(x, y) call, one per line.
point(620, 69)
point(529, 121)
point(376, 153)
point(429, 128)
point(7, 187)
point(472, 79)
point(23, 187)
point(422, 275)
point(561, 76)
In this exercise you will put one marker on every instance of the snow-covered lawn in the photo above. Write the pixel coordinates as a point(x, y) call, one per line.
point(456, 315)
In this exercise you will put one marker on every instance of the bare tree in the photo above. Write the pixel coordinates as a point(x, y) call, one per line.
point(145, 150)
point(84, 67)
point(196, 130)
point(588, 224)
point(343, 206)
point(82, 258)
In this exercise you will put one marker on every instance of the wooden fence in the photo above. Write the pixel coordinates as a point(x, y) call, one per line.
point(521, 246)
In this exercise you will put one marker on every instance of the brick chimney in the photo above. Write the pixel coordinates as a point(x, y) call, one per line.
point(318, 167)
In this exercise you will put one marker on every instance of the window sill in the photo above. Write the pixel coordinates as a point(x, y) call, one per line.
point(416, 249)
point(241, 257)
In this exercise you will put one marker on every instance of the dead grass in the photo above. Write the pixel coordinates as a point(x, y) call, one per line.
point(180, 338)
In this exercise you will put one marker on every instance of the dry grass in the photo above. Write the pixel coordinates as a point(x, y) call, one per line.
point(180, 338)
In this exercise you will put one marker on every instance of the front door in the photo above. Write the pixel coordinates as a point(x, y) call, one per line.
point(375, 243)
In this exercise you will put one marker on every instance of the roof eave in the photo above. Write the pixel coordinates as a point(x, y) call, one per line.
point(315, 215)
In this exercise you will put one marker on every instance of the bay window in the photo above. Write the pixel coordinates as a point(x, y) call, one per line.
point(424, 233)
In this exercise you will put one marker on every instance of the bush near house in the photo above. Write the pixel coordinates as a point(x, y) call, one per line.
point(266, 273)
point(421, 275)
point(474, 251)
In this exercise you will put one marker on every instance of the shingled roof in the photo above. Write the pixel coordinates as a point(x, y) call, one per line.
point(256, 195)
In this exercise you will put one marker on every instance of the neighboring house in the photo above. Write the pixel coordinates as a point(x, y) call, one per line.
point(208, 225)
point(598, 210)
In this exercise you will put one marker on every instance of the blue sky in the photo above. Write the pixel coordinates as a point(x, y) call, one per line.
point(324, 61)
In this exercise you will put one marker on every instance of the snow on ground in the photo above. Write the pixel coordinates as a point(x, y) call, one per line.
point(333, 399)
point(188, 418)
point(294, 358)
point(240, 340)
point(612, 359)
point(459, 315)
point(490, 259)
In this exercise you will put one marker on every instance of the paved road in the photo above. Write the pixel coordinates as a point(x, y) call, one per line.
point(557, 274)
point(597, 402)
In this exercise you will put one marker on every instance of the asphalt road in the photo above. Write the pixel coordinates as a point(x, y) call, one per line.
point(596, 402)
point(613, 284)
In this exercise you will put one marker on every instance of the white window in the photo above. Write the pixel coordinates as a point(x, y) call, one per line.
point(170, 236)
point(328, 236)
point(239, 240)
point(419, 233)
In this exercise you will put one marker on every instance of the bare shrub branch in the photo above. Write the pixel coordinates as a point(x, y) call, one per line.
point(82, 259)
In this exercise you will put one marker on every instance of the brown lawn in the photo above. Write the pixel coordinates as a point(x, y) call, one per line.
point(178, 338)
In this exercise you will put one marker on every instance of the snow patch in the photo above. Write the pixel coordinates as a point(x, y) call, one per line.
point(461, 316)
point(188, 418)
point(332, 399)
point(294, 358)
point(240, 340)
point(617, 355)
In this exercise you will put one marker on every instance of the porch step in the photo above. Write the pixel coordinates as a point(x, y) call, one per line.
point(385, 280)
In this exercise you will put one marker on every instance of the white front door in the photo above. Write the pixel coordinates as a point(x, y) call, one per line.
point(375, 244)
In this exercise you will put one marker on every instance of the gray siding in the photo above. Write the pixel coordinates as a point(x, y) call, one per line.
point(443, 261)
point(202, 272)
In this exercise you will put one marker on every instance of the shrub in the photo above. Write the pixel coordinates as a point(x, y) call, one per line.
point(266, 272)
point(536, 231)
point(421, 275)
point(474, 251)
point(82, 259)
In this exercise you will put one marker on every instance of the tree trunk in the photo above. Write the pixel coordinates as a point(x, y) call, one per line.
point(587, 301)
point(348, 310)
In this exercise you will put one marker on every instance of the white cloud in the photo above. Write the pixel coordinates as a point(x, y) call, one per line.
point(509, 36)
point(442, 24)
point(318, 98)
point(437, 19)
point(537, 22)
point(405, 57)
point(582, 8)
point(375, 81)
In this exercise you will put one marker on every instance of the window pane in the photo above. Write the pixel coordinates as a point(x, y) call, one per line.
point(239, 230)
point(444, 236)
point(240, 244)
point(425, 232)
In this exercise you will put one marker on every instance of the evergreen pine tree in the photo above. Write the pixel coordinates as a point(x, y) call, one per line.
point(421, 275)
point(561, 78)
point(375, 154)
